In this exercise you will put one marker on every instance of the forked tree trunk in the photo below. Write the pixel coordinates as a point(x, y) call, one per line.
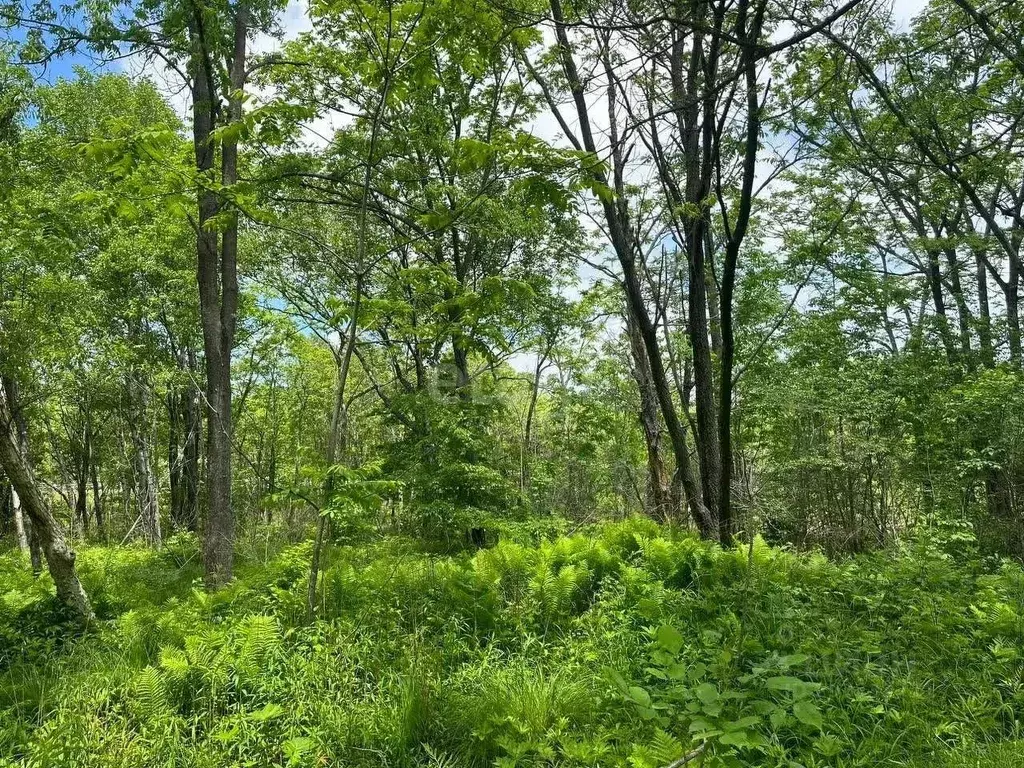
point(217, 277)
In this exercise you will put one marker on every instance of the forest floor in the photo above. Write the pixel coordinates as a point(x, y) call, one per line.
point(627, 645)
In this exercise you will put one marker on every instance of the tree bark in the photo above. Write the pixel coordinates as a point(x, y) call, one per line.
point(217, 277)
point(659, 488)
point(19, 521)
point(145, 478)
point(60, 557)
point(624, 244)
point(82, 479)
point(175, 456)
point(192, 420)
point(988, 354)
point(97, 501)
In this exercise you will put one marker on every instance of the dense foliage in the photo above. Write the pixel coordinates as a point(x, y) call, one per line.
point(511, 382)
point(612, 646)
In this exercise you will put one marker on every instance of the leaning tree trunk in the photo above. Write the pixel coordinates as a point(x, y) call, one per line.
point(659, 487)
point(60, 557)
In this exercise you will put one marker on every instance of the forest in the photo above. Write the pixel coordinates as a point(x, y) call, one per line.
point(512, 383)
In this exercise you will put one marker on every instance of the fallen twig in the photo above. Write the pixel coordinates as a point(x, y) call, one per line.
point(688, 757)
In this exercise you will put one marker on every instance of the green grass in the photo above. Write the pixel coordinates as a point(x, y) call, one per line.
point(625, 646)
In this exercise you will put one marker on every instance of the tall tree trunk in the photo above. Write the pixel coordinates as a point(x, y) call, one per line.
point(626, 250)
point(217, 276)
point(60, 557)
point(732, 251)
point(964, 319)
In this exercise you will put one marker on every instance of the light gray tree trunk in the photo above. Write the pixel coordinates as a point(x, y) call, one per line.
point(19, 522)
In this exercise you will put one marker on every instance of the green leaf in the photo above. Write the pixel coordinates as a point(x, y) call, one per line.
point(707, 693)
point(269, 712)
point(296, 747)
point(639, 695)
point(669, 638)
point(807, 713)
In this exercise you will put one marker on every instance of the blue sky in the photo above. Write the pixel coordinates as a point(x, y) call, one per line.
point(58, 67)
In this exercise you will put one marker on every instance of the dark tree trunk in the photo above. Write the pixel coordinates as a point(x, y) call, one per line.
point(697, 137)
point(939, 304)
point(218, 282)
point(624, 244)
point(82, 480)
point(526, 460)
point(659, 487)
point(988, 354)
point(97, 501)
point(175, 455)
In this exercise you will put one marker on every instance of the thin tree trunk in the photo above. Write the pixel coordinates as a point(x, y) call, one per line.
point(145, 477)
point(336, 441)
point(526, 460)
point(97, 502)
point(175, 455)
point(192, 419)
point(988, 355)
point(82, 481)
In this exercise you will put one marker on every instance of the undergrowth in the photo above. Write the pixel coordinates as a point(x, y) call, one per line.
point(627, 645)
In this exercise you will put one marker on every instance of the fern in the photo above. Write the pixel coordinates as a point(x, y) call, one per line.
point(149, 694)
point(260, 638)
